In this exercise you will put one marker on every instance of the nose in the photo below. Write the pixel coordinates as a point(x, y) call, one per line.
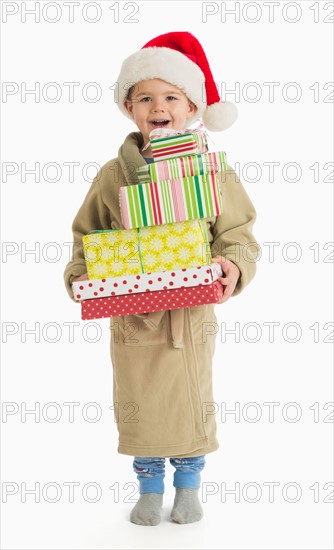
point(157, 105)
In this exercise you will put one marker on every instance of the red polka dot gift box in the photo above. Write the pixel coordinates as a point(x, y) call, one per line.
point(146, 282)
point(145, 302)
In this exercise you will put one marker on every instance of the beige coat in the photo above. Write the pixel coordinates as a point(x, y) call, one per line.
point(162, 361)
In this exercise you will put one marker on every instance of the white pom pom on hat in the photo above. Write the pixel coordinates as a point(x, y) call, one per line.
point(178, 58)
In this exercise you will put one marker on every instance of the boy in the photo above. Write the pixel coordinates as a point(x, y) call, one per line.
point(162, 361)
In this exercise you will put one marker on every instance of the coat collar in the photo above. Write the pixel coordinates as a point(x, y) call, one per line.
point(130, 158)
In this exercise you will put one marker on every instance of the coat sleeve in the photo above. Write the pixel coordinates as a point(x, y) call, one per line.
point(232, 230)
point(93, 214)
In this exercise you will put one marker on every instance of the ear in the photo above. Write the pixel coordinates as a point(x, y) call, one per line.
point(129, 107)
point(191, 109)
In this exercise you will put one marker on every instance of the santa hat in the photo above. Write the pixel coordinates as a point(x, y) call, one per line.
point(178, 58)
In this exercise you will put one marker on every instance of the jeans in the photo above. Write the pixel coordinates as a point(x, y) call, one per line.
point(151, 472)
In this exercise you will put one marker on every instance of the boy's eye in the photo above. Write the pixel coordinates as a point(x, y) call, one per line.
point(168, 97)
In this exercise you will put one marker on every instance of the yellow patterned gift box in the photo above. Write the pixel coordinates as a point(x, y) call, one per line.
point(116, 252)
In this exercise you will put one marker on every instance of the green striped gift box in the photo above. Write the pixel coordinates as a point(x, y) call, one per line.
point(179, 145)
point(182, 167)
point(170, 201)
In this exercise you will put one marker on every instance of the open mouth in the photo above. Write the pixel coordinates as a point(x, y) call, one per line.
point(159, 123)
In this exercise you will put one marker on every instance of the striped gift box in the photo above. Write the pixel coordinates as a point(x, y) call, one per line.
point(201, 140)
point(170, 201)
point(180, 145)
point(182, 167)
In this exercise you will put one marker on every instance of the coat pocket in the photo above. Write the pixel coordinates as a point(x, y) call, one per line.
point(138, 330)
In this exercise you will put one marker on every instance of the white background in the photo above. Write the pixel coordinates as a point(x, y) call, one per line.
point(50, 366)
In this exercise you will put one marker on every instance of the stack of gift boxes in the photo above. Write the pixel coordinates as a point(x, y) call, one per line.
point(162, 259)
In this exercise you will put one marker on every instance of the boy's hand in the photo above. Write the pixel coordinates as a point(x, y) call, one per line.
point(81, 278)
point(229, 282)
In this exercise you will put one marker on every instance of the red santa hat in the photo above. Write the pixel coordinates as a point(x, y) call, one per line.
point(178, 58)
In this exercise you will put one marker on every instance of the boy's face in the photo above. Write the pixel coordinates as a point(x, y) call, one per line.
point(157, 100)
